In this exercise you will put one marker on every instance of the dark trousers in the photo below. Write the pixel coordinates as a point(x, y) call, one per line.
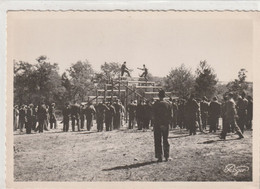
point(192, 125)
point(41, 125)
point(146, 123)
point(89, 122)
point(204, 120)
point(242, 119)
point(66, 124)
point(100, 122)
point(125, 71)
point(28, 126)
point(74, 121)
point(116, 121)
point(108, 123)
point(226, 126)
point(21, 124)
point(131, 121)
point(82, 120)
point(213, 123)
point(161, 133)
point(53, 122)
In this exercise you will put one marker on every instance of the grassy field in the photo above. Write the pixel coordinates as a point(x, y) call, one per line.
point(128, 155)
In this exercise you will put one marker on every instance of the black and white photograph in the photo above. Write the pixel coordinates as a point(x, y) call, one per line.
point(131, 96)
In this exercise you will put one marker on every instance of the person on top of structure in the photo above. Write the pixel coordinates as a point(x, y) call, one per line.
point(144, 74)
point(124, 69)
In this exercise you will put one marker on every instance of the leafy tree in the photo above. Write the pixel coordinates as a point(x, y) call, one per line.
point(206, 80)
point(180, 80)
point(240, 84)
point(80, 84)
point(110, 70)
point(36, 83)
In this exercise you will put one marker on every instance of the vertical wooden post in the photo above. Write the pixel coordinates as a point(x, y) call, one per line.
point(105, 92)
point(96, 95)
point(119, 91)
point(112, 90)
point(126, 102)
point(134, 92)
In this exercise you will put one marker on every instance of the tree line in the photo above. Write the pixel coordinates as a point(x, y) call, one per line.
point(41, 81)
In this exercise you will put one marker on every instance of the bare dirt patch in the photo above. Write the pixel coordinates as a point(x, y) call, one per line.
point(128, 155)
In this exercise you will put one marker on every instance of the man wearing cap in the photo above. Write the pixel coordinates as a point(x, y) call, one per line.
point(230, 117)
point(162, 116)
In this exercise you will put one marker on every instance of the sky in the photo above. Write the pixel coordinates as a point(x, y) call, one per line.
point(160, 40)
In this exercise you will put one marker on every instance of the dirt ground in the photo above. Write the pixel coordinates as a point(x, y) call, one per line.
point(128, 155)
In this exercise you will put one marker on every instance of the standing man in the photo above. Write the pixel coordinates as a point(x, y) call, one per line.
point(100, 115)
point(214, 114)
point(82, 116)
point(74, 113)
point(124, 69)
point(242, 111)
point(162, 117)
point(192, 109)
point(22, 118)
point(109, 114)
point(42, 116)
point(204, 106)
point(230, 117)
point(53, 120)
point(175, 112)
point(90, 111)
point(147, 117)
point(249, 112)
point(16, 117)
point(29, 118)
point(66, 118)
point(132, 112)
point(117, 117)
point(140, 114)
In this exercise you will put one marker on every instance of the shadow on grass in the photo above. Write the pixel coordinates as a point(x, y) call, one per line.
point(136, 165)
point(180, 136)
point(219, 140)
point(85, 132)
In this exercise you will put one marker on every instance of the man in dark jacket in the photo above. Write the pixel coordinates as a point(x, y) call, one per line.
point(100, 115)
point(66, 118)
point(74, 113)
point(109, 114)
point(162, 113)
point(53, 120)
point(192, 108)
point(132, 114)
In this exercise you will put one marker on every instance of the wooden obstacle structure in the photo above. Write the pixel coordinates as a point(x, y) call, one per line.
point(126, 89)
